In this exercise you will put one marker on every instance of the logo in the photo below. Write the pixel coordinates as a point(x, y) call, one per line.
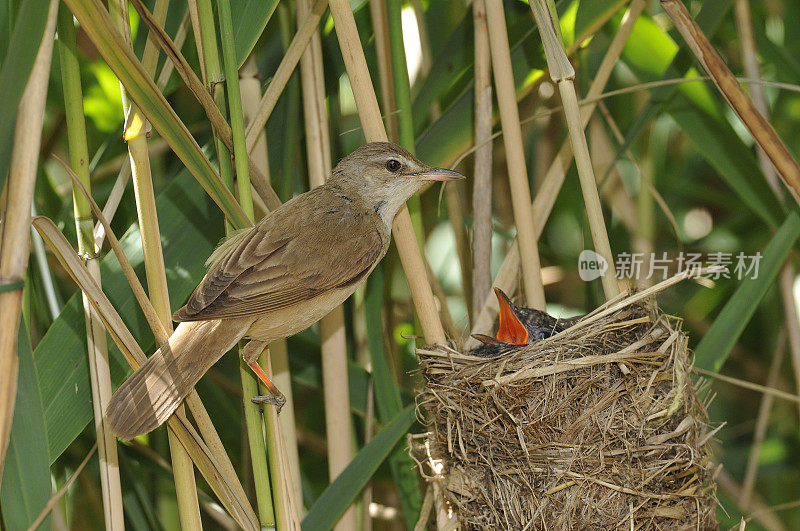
point(591, 265)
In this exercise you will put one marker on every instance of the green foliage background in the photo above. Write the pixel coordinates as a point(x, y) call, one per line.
point(682, 136)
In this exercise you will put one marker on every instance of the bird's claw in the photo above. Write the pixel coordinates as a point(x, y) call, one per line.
point(277, 401)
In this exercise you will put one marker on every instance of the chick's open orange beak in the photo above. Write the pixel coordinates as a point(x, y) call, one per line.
point(436, 174)
point(511, 329)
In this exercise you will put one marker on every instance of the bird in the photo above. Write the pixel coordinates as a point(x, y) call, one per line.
point(518, 326)
point(276, 279)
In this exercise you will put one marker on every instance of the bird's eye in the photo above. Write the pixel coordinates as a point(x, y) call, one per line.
point(393, 165)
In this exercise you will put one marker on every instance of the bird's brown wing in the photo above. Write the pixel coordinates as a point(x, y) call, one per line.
point(314, 243)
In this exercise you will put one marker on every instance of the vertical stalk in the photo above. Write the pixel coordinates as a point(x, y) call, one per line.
point(380, 28)
point(402, 98)
point(752, 69)
point(135, 133)
point(278, 349)
point(288, 166)
point(786, 283)
point(482, 174)
point(563, 74)
point(515, 154)
point(371, 122)
point(249, 384)
point(250, 87)
point(552, 181)
point(95, 332)
point(15, 242)
point(334, 346)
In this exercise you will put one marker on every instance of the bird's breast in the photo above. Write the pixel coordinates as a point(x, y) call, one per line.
point(285, 322)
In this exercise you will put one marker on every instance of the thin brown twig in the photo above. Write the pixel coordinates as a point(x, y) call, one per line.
point(63, 490)
point(762, 423)
point(761, 130)
point(482, 174)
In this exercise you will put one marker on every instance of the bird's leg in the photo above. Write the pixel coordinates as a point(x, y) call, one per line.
point(250, 354)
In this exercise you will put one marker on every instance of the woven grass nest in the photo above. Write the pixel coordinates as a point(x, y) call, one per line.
point(597, 427)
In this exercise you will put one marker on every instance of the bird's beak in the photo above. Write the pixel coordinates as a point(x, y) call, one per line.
point(435, 174)
point(511, 329)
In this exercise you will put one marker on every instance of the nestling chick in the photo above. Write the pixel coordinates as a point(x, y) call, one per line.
point(518, 326)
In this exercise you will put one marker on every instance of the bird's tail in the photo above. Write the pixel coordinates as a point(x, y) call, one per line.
point(154, 391)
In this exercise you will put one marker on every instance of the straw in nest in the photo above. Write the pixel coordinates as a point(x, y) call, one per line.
point(597, 427)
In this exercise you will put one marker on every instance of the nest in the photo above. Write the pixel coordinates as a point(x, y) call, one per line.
point(597, 427)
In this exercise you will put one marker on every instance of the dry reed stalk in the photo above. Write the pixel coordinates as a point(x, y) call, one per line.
point(762, 423)
point(515, 154)
point(761, 513)
point(383, 52)
point(135, 133)
point(15, 241)
point(551, 184)
point(250, 86)
point(335, 383)
point(562, 73)
point(372, 124)
point(100, 376)
point(752, 69)
point(761, 130)
point(287, 507)
point(482, 172)
point(305, 30)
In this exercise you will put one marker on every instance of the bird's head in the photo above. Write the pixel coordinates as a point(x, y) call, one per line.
point(385, 175)
point(518, 325)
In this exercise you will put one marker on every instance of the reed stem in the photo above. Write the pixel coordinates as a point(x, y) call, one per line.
point(727, 84)
point(482, 173)
point(255, 427)
point(515, 154)
point(335, 383)
point(383, 52)
point(15, 242)
point(100, 376)
point(562, 73)
point(551, 183)
point(135, 133)
point(372, 124)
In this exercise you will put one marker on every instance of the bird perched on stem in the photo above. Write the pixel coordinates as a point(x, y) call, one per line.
point(277, 278)
point(518, 326)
